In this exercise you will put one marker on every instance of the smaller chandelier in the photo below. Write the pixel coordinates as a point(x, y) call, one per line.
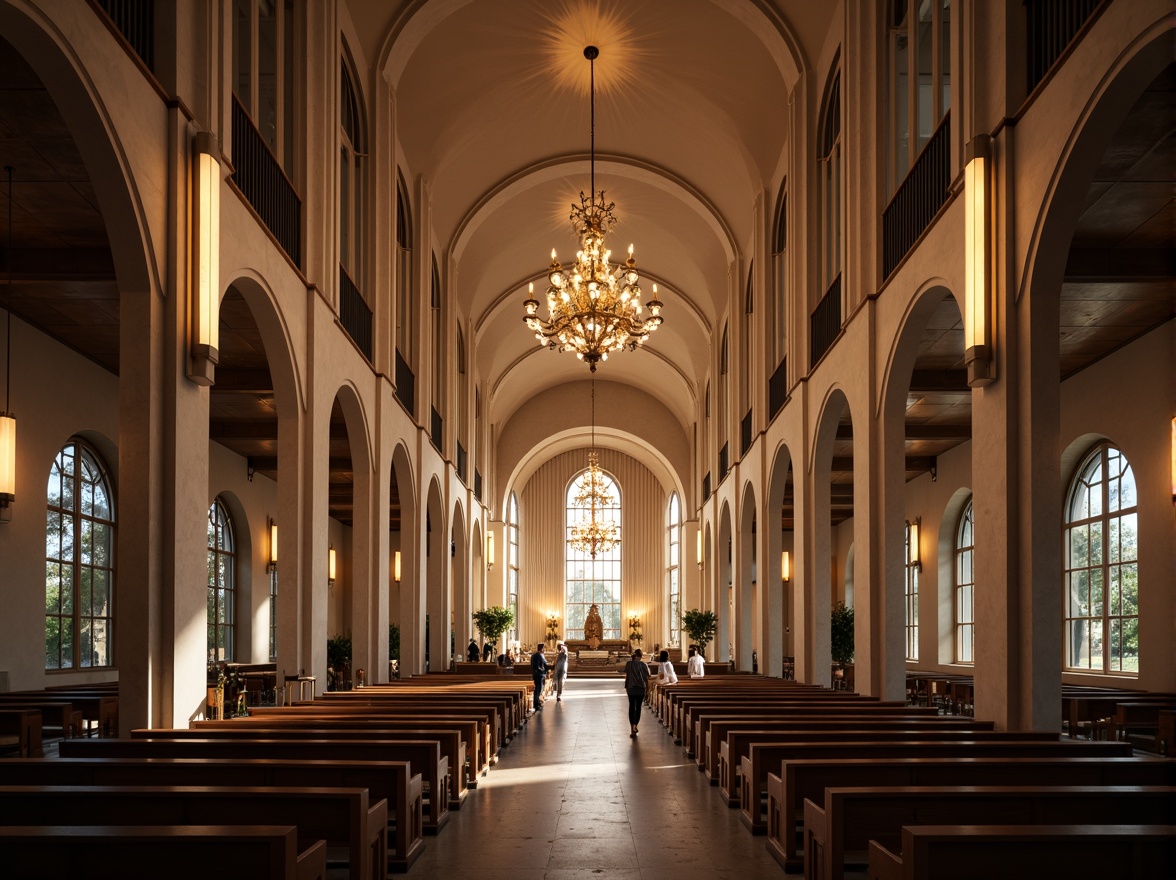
point(592, 535)
point(593, 307)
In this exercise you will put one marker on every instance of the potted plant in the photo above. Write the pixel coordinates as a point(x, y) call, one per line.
point(700, 626)
point(338, 661)
point(492, 622)
point(841, 639)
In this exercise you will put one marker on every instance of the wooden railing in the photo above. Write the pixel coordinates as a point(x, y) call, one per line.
point(261, 180)
point(435, 428)
point(1050, 26)
point(405, 384)
point(745, 434)
point(354, 314)
point(778, 388)
point(135, 20)
point(724, 461)
point(921, 194)
point(825, 322)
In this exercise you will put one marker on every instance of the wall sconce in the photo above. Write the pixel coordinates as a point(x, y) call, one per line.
point(913, 556)
point(785, 566)
point(396, 567)
point(698, 546)
point(7, 419)
point(977, 260)
point(273, 554)
point(331, 565)
point(489, 551)
point(205, 292)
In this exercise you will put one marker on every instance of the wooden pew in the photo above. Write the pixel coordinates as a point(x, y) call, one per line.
point(475, 734)
point(178, 852)
point(1138, 718)
point(390, 781)
point(737, 745)
point(840, 829)
point(95, 706)
point(25, 725)
point(494, 712)
point(807, 779)
point(424, 756)
point(512, 703)
point(763, 755)
point(452, 748)
point(1076, 852)
point(53, 715)
point(342, 817)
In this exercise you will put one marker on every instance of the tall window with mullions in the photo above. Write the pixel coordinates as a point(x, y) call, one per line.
point(592, 581)
point(674, 572)
point(512, 574)
point(222, 584)
point(965, 586)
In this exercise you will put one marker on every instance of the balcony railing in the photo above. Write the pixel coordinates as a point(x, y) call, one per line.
point(921, 194)
point(706, 487)
point(825, 322)
point(778, 389)
point(435, 428)
point(405, 384)
point(461, 463)
point(135, 20)
point(724, 461)
point(1051, 26)
point(745, 434)
point(266, 187)
point(354, 314)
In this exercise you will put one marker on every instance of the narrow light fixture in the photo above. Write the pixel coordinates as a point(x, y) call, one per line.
point(7, 419)
point(913, 556)
point(205, 295)
point(977, 259)
point(396, 566)
point(785, 566)
point(1174, 460)
point(331, 565)
point(489, 551)
point(273, 550)
point(698, 546)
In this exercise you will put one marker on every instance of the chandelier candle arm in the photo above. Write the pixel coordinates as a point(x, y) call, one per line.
point(593, 307)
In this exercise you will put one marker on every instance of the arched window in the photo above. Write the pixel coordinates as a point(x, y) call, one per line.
point(1101, 577)
point(222, 584)
point(438, 346)
point(352, 163)
point(965, 583)
point(512, 559)
point(403, 274)
point(911, 592)
point(829, 181)
point(674, 570)
point(79, 561)
point(777, 346)
point(591, 581)
point(263, 71)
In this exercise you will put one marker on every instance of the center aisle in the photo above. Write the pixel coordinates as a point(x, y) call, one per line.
point(573, 796)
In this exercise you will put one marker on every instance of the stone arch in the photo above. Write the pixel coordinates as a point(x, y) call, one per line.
point(405, 601)
point(945, 600)
point(722, 568)
point(783, 605)
point(749, 588)
point(459, 577)
point(436, 560)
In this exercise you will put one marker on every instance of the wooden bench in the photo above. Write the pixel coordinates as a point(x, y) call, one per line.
point(514, 699)
point(806, 779)
point(735, 749)
point(178, 852)
point(762, 755)
point(342, 817)
point(1076, 852)
point(424, 756)
point(54, 715)
point(496, 713)
point(25, 726)
point(839, 830)
point(95, 706)
point(389, 781)
point(452, 748)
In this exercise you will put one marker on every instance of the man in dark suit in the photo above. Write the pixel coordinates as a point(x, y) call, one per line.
point(538, 674)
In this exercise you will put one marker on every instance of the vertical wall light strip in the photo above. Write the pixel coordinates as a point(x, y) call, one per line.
point(205, 293)
point(977, 261)
point(7, 419)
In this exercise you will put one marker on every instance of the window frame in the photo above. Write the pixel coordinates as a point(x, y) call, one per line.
point(830, 184)
point(911, 567)
point(779, 347)
point(220, 595)
point(352, 177)
point(279, 136)
point(674, 571)
point(964, 582)
point(513, 567)
point(602, 574)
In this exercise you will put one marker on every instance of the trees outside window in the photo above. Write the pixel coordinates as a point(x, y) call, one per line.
point(1101, 568)
point(79, 561)
point(591, 581)
point(222, 584)
point(965, 583)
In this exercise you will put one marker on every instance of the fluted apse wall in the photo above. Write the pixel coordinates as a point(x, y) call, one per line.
point(542, 510)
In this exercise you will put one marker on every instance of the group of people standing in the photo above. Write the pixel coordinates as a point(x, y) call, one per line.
point(539, 667)
point(638, 680)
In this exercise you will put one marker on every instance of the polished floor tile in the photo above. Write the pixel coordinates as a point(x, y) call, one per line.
point(574, 798)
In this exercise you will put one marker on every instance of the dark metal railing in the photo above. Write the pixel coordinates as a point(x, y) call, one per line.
point(405, 384)
point(135, 20)
point(461, 463)
point(706, 489)
point(825, 322)
point(921, 194)
point(745, 434)
point(1051, 26)
point(477, 484)
point(354, 314)
point(435, 427)
point(778, 388)
point(724, 461)
point(261, 180)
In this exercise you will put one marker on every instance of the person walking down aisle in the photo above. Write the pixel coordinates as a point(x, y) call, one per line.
point(538, 674)
point(636, 684)
point(561, 670)
point(696, 665)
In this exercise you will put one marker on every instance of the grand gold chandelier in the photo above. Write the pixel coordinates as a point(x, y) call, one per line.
point(593, 307)
point(592, 535)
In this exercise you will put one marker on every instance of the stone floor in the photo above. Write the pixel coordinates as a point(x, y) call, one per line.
point(572, 796)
